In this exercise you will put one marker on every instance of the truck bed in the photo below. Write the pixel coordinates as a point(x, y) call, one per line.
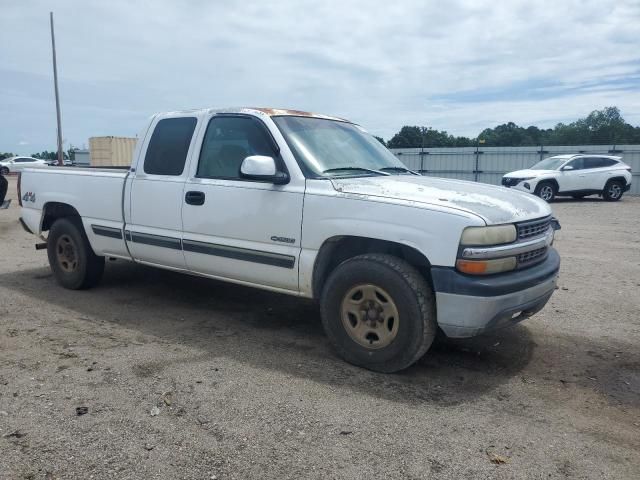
point(96, 194)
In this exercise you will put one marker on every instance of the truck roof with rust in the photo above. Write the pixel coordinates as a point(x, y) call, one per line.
point(268, 111)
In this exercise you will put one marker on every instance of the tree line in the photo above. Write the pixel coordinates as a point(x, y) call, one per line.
point(600, 127)
point(45, 155)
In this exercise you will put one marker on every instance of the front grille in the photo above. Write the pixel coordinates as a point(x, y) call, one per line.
point(533, 228)
point(510, 182)
point(529, 258)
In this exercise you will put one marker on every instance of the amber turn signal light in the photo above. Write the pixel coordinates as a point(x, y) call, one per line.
point(486, 267)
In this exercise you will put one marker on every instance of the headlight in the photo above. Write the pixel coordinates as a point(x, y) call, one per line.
point(486, 267)
point(494, 235)
point(525, 179)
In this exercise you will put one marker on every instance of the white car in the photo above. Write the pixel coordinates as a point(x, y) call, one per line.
point(573, 175)
point(305, 205)
point(17, 164)
point(54, 162)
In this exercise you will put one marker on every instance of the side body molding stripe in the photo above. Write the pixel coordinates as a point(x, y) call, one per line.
point(225, 251)
point(154, 240)
point(107, 231)
point(245, 254)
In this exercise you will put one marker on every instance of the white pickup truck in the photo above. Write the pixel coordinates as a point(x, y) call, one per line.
point(306, 205)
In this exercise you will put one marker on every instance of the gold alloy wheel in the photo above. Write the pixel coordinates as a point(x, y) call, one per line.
point(66, 254)
point(370, 316)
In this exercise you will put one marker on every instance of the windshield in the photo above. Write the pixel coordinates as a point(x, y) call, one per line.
point(330, 148)
point(551, 163)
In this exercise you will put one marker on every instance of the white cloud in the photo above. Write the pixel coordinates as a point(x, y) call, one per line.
point(459, 66)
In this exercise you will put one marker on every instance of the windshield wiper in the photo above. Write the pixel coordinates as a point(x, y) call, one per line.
point(398, 169)
point(360, 169)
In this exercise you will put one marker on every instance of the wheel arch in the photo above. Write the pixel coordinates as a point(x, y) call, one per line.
point(620, 179)
point(52, 211)
point(340, 248)
point(549, 180)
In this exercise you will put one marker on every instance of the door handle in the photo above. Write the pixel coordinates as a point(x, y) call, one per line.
point(194, 198)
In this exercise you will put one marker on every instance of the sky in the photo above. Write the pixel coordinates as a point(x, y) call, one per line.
point(459, 66)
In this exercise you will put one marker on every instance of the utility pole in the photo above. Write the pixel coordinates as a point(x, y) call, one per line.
point(422, 130)
point(55, 84)
point(476, 168)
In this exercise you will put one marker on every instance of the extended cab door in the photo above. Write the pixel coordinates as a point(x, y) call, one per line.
point(154, 229)
point(234, 228)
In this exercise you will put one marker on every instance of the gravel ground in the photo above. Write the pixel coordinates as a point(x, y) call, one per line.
point(190, 378)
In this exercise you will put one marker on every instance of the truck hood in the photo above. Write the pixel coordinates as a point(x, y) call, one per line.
point(529, 173)
point(493, 204)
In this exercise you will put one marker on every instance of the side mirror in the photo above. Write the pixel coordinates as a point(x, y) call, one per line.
point(262, 168)
point(567, 167)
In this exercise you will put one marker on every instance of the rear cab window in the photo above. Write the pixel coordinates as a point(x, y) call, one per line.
point(169, 145)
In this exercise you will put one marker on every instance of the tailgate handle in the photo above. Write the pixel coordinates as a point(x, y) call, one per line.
point(194, 198)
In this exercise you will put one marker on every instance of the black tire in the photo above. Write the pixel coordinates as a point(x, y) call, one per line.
point(613, 191)
point(412, 297)
point(4, 171)
point(71, 257)
point(546, 191)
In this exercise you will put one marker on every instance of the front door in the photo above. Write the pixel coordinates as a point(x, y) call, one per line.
point(154, 231)
point(234, 228)
point(572, 179)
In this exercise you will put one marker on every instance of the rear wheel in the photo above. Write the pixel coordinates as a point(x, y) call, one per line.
point(613, 191)
point(71, 257)
point(379, 312)
point(546, 191)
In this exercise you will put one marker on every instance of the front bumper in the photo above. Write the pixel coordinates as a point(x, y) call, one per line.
point(527, 185)
point(523, 187)
point(468, 306)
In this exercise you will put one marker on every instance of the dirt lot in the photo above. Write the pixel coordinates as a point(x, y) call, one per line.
point(190, 378)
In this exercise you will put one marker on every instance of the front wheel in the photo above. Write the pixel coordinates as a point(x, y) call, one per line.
point(378, 312)
point(546, 191)
point(613, 191)
point(71, 257)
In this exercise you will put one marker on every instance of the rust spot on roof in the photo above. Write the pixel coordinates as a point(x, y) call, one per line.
point(295, 113)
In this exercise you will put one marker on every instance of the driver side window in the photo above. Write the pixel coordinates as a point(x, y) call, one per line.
point(227, 142)
point(576, 163)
